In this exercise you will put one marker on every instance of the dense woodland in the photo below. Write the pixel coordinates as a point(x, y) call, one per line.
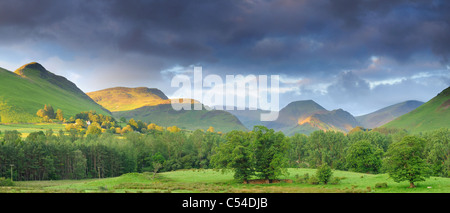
point(74, 154)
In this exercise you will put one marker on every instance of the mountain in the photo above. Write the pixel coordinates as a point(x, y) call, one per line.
point(295, 112)
point(26, 90)
point(165, 115)
point(124, 99)
point(338, 120)
point(335, 120)
point(151, 105)
point(384, 115)
point(431, 115)
point(300, 117)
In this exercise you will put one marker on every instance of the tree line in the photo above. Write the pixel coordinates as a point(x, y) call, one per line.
point(260, 153)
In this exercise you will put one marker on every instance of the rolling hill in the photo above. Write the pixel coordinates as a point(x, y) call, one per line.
point(384, 115)
point(124, 99)
point(431, 115)
point(165, 115)
point(31, 86)
point(152, 106)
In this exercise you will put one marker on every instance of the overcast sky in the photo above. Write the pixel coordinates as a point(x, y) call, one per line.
point(356, 55)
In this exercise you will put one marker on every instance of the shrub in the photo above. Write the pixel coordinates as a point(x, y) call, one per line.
point(103, 188)
point(313, 180)
point(381, 185)
point(324, 173)
point(335, 180)
point(302, 179)
point(6, 182)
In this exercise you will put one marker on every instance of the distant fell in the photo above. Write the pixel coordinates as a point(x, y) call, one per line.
point(125, 99)
point(387, 114)
point(303, 117)
point(294, 112)
point(165, 115)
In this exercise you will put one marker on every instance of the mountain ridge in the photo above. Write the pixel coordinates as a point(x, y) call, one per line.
point(30, 87)
point(165, 115)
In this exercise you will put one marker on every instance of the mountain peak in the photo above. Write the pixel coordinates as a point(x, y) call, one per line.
point(37, 73)
point(305, 103)
point(445, 92)
point(32, 65)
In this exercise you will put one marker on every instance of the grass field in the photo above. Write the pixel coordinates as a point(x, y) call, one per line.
point(26, 129)
point(210, 181)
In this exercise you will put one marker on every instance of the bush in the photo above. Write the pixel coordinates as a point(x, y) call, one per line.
point(302, 179)
point(335, 180)
point(313, 180)
point(324, 173)
point(381, 185)
point(6, 182)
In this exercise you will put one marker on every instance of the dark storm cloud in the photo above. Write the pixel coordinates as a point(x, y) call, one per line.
point(241, 31)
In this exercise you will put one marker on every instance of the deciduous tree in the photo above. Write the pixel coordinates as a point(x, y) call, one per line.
point(363, 156)
point(405, 160)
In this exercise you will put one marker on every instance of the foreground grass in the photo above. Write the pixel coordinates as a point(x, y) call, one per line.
point(210, 181)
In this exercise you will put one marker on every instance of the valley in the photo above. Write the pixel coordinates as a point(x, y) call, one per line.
point(132, 140)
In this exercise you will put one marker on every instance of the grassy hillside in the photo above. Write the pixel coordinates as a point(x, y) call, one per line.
point(431, 115)
point(29, 88)
point(165, 115)
point(125, 99)
point(384, 115)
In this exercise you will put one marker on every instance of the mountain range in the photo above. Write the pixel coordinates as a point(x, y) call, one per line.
point(30, 87)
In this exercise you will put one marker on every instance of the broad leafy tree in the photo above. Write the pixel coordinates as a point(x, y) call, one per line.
point(235, 154)
point(363, 156)
point(270, 149)
point(405, 160)
point(438, 151)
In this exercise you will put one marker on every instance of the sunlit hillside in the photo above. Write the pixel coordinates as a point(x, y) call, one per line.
point(30, 87)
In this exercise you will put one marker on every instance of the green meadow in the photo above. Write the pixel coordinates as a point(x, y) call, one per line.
point(211, 181)
point(26, 129)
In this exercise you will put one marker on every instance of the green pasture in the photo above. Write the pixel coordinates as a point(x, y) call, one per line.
point(211, 181)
